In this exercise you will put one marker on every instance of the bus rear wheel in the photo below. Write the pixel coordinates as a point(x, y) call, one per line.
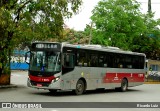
point(79, 87)
point(124, 85)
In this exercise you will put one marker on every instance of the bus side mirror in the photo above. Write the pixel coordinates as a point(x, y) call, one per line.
point(27, 57)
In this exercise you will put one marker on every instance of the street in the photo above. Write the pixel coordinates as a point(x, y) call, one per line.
point(143, 93)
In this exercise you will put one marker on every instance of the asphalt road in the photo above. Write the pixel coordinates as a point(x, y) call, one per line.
point(143, 93)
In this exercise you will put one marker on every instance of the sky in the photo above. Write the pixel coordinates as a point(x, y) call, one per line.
point(79, 21)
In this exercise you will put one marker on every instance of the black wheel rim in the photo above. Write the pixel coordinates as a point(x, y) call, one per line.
point(79, 87)
point(124, 85)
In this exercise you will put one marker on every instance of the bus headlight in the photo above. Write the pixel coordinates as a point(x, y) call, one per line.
point(56, 79)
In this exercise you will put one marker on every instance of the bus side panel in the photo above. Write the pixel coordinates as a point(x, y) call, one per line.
point(98, 76)
point(84, 72)
point(115, 76)
point(71, 78)
point(107, 78)
point(93, 77)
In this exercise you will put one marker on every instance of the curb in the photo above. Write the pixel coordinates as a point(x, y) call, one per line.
point(151, 82)
point(8, 86)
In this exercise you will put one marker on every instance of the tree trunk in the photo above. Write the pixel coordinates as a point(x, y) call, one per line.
point(4, 68)
point(4, 79)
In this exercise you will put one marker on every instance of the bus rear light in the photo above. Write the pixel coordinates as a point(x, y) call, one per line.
point(140, 75)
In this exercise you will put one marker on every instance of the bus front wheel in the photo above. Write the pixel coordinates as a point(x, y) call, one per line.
point(79, 87)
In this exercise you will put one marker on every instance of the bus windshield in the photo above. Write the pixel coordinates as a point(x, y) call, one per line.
point(48, 61)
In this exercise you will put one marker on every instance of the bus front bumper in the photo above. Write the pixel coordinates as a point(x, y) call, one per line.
point(53, 85)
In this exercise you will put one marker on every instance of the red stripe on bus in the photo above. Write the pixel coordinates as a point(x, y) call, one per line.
point(117, 77)
point(41, 79)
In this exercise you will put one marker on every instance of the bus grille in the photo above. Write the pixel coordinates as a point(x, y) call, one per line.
point(45, 84)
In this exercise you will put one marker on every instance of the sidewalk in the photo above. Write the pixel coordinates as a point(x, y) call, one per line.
point(18, 78)
point(8, 86)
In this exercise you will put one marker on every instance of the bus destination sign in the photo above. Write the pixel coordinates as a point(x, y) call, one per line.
point(46, 46)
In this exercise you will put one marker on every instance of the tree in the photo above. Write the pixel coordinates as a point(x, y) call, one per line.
point(150, 44)
point(117, 22)
point(75, 37)
point(27, 20)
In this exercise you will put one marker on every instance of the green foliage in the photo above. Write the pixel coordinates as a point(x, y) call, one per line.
point(45, 19)
point(75, 37)
point(118, 21)
point(23, 21)
point(149, 42)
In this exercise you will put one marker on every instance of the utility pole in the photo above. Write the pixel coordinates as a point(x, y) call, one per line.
point(90, 35)
point(149, 6)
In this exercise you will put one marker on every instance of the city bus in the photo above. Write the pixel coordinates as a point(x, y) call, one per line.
point(61, 66)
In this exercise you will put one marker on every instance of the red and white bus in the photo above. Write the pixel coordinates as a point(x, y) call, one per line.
point(62, 66)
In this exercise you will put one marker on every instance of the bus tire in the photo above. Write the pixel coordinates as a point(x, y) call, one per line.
point(124, 85)
point(53, 91)
point(80, 87)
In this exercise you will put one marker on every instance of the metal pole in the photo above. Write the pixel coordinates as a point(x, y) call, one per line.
point(90, 35)
point(149, 6)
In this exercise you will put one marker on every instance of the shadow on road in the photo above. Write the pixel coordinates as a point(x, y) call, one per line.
point(90, 92)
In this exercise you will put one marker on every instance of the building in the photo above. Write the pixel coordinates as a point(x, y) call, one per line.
point(153, 70)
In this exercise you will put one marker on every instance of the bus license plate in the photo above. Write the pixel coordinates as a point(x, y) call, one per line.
point(39, 85)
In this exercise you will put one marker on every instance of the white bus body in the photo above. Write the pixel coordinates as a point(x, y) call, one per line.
point(87, 68)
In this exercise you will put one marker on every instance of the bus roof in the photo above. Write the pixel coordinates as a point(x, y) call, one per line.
point(102, 48)
point(94, 47)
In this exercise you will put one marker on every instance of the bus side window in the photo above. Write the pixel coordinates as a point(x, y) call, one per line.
point(81, 61)
point(93, 60)
point(120, 65)
point(69, 60)
point(129, 66)
point(101, 62)
point(81, 58)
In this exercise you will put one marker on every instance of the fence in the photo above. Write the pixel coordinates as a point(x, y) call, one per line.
point(18, 60)
point(153, 76)
point(19, 66)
